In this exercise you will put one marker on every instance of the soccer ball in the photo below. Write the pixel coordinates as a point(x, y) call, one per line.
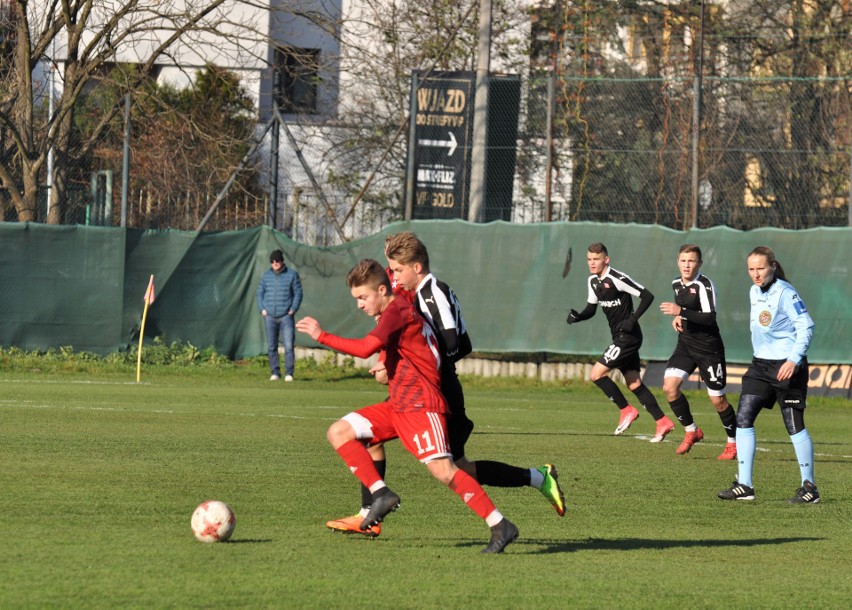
point(213, 521)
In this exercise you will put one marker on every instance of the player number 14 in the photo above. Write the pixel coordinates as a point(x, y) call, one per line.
point(717, 375)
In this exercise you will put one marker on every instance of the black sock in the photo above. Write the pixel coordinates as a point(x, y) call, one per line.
point(498, 474)
point(680, 407)
point(729, 422)
point(612, 392)
point(366, 494)
point(649, 402)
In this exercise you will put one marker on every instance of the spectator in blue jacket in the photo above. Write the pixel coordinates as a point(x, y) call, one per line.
point(278, 298)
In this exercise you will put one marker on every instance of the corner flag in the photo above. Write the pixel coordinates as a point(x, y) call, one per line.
point(150, 293)
point(149, 298)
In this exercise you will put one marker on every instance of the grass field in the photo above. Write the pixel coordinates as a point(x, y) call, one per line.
point(99, 477)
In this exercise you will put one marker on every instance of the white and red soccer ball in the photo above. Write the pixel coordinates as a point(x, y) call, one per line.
point(213, 521)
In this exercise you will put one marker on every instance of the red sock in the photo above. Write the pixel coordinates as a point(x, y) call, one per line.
point(472, 493)
point(359, 461)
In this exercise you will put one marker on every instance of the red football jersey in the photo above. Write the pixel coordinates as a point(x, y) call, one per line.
point(412, 359)
point(399, 290)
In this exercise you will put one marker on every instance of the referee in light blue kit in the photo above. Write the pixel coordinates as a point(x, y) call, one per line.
point(781, 332)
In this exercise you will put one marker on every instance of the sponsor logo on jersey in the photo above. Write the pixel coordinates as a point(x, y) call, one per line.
point(765, 318)
point(614, 303)
point(798, 305)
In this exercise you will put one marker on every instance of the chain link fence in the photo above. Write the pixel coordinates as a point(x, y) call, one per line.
point(769, 152)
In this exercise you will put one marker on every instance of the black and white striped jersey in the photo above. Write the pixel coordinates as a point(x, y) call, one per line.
point(698, 313)
point(439, 305)
point(613, 293)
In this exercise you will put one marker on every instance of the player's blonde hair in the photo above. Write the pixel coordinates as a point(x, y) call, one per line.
point(407, 249)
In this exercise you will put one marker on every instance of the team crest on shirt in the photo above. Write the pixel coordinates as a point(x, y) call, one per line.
point(764, 318)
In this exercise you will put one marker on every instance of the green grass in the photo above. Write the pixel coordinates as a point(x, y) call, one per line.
point(99, 477)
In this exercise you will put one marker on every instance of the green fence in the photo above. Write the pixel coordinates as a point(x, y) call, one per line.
point(83, 286)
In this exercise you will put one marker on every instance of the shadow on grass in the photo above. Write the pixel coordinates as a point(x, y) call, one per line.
point(527, 545)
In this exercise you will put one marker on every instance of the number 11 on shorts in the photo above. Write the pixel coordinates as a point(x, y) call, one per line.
point(426, 446)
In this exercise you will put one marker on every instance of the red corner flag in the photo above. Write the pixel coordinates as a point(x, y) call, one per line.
point(149, 293)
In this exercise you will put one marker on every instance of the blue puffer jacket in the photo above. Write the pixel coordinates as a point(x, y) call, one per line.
point(279, 293)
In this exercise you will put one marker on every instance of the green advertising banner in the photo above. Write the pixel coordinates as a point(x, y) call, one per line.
point(83, 287)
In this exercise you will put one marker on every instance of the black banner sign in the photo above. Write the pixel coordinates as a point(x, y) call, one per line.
point(442, 134)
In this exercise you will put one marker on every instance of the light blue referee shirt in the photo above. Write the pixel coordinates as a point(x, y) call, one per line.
point(781, 327)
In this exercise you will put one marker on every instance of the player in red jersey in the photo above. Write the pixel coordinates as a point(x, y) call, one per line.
point(441, 310)
point(352, 524)
point(415, 411)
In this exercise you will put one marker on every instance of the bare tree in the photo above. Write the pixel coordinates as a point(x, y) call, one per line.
point(806, 119)
point(361, 151)
point(775, 114)
point(79, 40)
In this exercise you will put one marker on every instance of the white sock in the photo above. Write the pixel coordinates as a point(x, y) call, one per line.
point(536, 478)
point(494, 518)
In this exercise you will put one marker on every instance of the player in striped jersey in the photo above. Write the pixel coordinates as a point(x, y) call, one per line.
point(699, 344)
point(415, 411)
point(440, 307)
point(437, 303)
point(613, 291)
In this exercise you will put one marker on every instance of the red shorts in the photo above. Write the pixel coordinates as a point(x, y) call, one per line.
point(422, 433)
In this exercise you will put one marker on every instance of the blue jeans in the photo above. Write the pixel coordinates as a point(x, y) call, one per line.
point(285, 327)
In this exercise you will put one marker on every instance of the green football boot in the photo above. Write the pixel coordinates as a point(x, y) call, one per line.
point(550, 488)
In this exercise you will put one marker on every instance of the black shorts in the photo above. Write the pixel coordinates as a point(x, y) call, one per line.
point(761, 379)
point(712, 368)
point(459, 426)
point(622, 353)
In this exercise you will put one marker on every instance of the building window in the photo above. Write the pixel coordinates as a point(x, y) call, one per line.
point(297, 78)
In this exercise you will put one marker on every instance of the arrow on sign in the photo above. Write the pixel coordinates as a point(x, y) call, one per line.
point(450, 144)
